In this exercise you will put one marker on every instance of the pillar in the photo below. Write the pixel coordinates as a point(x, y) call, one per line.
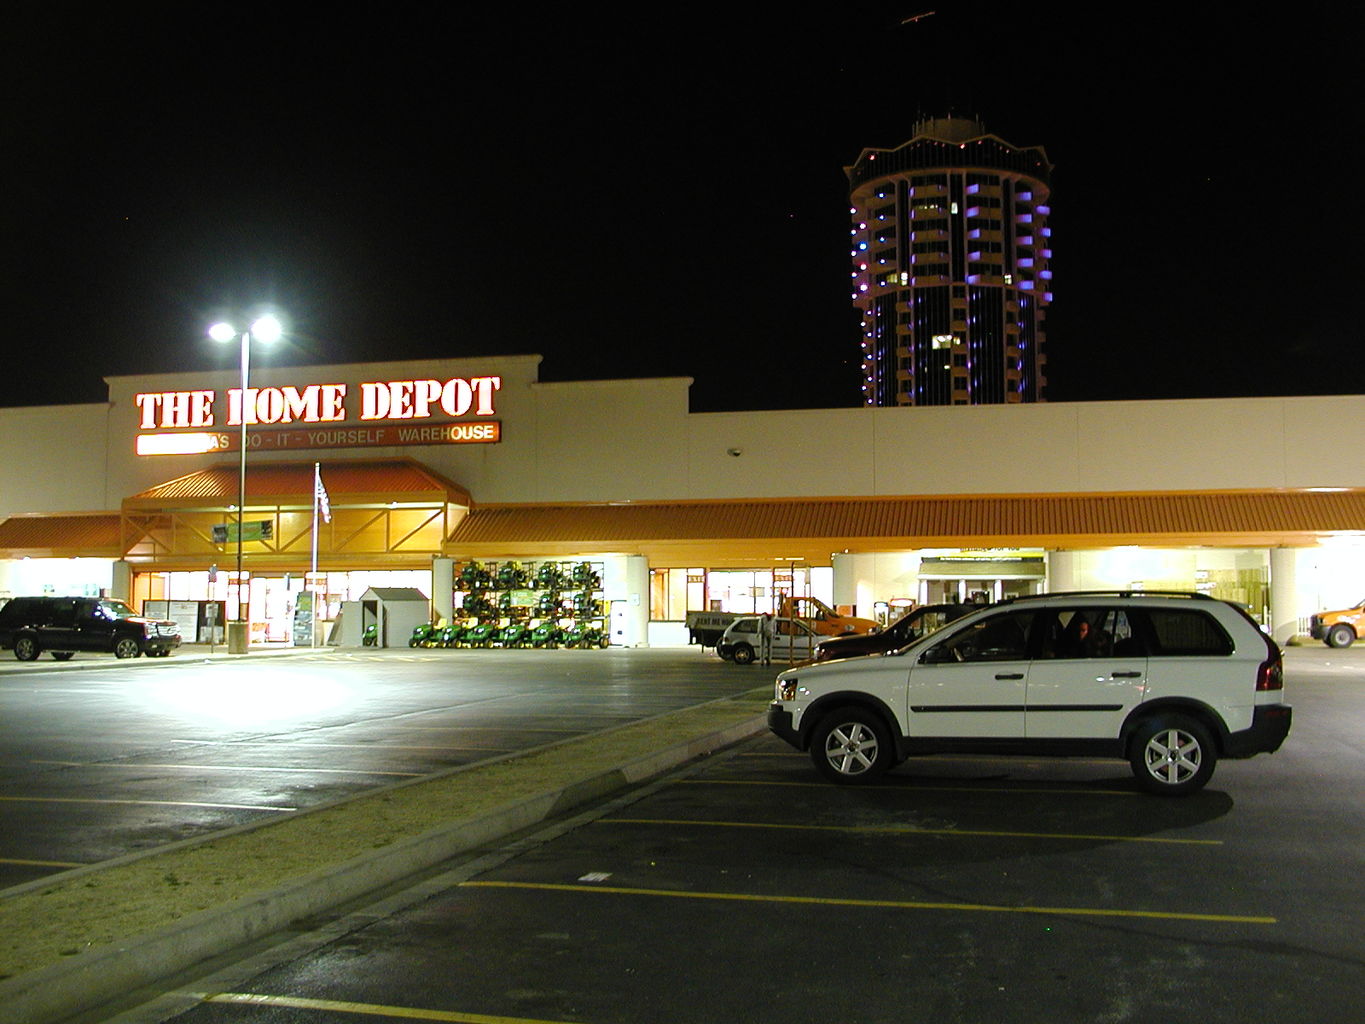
point(626, 587)
point(442, 589)
point(1284, 594)
point(121, 582)
point(1061, 571)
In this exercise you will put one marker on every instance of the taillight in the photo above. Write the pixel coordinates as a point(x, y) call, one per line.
point(1270, 676)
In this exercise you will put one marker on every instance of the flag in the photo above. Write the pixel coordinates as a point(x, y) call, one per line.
point(320, 494)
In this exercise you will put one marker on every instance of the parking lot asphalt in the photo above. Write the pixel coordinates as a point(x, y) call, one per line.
point(959, 889)
point(845, 878)
point(73, 941)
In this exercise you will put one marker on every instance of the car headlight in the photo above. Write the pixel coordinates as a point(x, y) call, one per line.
point(786, 689)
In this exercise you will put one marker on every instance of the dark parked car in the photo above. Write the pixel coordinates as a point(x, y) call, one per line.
point(64, 625)
point(905, 630)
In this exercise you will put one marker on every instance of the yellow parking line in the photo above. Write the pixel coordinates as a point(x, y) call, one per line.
point(40, 863)
point(369, 1009)
point(911, 830)
point(911, 786)
point(385, 747)
point(140, 803)
point(230, 768)
point(989, 908)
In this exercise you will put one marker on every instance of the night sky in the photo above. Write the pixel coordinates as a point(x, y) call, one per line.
point(659, 191)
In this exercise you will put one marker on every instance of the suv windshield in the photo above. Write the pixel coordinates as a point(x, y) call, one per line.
point(116, 610)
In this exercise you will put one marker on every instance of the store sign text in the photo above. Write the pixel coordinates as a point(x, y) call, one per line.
point(186, 442)
point(185, 421)
point(320, 403)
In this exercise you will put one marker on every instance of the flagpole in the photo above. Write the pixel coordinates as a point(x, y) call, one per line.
point(313, 576)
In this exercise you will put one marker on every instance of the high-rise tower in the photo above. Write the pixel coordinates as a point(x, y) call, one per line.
point(951, 248)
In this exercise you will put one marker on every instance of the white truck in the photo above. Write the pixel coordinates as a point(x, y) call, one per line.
point(767, 638)
point(706, 628)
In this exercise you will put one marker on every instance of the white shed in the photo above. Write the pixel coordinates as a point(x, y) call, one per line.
point(396, 611)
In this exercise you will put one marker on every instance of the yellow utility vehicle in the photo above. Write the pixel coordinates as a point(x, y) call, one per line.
point(1338, 629)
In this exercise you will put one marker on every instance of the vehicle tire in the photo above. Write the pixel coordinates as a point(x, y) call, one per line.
point(742, 654)
point(851, 745)
point(1341, 635)
point(26, 648)
point(127, 648)
point(1172, 755)
point(62, 655)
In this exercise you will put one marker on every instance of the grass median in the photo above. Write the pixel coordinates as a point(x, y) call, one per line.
point(82, 911)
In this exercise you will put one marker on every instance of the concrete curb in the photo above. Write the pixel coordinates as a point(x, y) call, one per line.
point(86, 982)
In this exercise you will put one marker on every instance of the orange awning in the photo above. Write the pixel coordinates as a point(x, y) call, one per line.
point(812, 529)
point(98, 535)
point(352, 483)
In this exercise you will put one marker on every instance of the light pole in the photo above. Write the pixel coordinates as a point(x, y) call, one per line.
point(266, 329)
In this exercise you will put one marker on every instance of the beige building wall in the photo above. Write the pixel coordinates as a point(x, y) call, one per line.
point(53, 458)
point(604, 441)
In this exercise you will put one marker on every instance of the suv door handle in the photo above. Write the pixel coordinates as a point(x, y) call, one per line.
point(1126, 675)
point(1009, 675)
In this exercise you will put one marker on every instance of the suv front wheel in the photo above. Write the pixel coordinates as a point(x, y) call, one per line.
point(127, 647)
point(1172, 755)
point(851, 745)
point(1341, 635)
point(26, 648)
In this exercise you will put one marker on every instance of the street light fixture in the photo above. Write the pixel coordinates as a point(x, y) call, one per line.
point(266, 329)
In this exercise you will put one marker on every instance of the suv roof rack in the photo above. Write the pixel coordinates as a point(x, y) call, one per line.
point(1194, 595)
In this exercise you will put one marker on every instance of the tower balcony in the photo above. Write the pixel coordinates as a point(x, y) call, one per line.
point(928, 212)
point(928, 191)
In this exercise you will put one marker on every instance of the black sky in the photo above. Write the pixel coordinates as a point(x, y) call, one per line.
point(660, 191)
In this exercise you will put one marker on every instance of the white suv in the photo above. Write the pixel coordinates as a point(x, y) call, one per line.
point(1169, 682)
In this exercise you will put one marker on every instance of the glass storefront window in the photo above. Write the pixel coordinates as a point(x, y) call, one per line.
point(273, 597)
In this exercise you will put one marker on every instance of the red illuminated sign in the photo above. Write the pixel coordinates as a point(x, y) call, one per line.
point(411, 402)
point(320, 403)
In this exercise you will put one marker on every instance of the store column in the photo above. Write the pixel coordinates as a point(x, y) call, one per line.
point(1061, 571)
point(121, 584)
point(442, 589)
point(852, 587)
point(626, 586)
point(1284, 594)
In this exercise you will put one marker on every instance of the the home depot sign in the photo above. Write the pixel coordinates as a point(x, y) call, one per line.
point(319, 403)
point(191, 422)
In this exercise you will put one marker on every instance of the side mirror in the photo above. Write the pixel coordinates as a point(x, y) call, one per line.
point(939, 655)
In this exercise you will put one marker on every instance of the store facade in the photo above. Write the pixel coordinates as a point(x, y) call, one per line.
point(429, 467)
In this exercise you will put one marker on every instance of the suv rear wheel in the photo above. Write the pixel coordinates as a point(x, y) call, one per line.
point(1172, 755)
point(851, 745)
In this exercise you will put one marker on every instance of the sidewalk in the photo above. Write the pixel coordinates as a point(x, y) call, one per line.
point(72, 942)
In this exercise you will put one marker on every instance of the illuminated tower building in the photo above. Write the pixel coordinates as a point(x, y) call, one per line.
point(951, 248)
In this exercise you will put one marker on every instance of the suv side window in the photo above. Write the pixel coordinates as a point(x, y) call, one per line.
point(1001, 637)
point(62, 612)
point(1184, 631)
point(1088, 633)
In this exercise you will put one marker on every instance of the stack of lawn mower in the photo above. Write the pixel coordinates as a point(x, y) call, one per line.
point(516, 604)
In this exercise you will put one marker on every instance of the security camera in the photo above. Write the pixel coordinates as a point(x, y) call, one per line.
point(736, 452)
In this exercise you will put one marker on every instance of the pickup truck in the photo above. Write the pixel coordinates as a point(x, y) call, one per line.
point(1338, 629)
point(706, 628)
point(765, 638)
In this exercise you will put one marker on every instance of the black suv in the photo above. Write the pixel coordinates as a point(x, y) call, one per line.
point(64, 625)
point(905, 630)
